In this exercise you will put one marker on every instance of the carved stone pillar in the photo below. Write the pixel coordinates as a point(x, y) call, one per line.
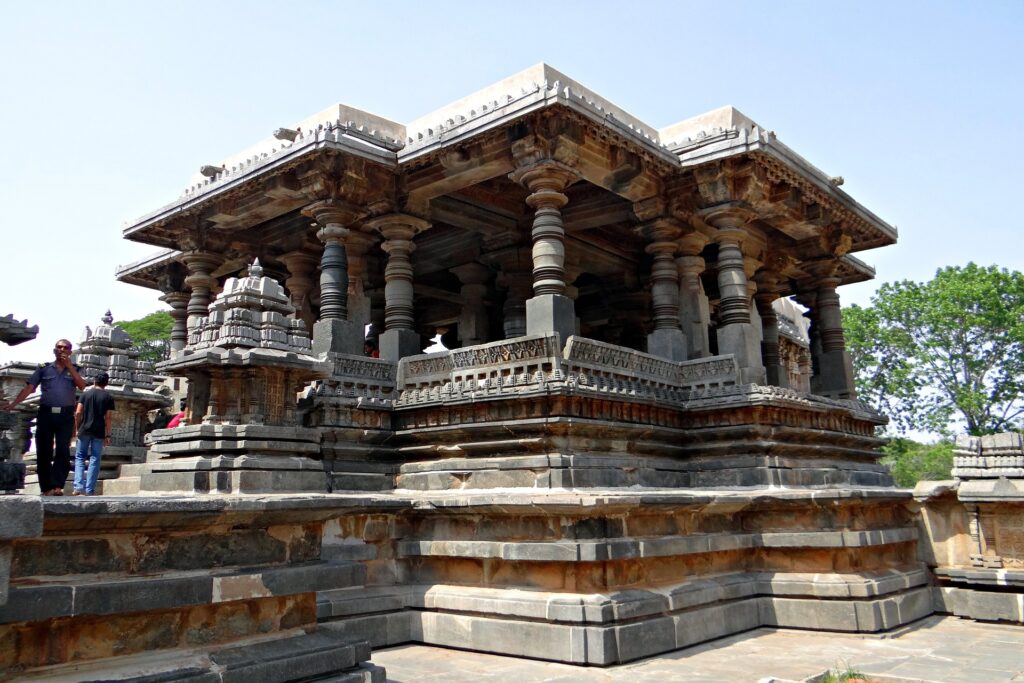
point(667, 339)
point(767, 293)
point(835, 371)
point(750, 267)
point(694, 313)
point(735, 333)
point(400, 338)
point(178, 301)
point(300, 266)
point(549, 310)
point(357, 245)
point(473, 323)
point(333, 331)
point(199, 264)
point(518, 284)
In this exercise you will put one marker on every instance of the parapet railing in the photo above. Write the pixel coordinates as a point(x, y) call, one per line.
point(989, 457)
point(537, 364)
point(357, 381)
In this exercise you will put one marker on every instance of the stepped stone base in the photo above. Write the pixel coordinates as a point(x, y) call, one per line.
point(317, 656)
point(169, 589)
point(604, 577)
point(208, 458)
point(611, 629)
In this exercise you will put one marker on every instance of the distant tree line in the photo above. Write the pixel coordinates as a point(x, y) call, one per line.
point(944, 356)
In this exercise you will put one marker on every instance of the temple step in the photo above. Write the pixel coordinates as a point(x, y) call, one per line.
point(322, 655)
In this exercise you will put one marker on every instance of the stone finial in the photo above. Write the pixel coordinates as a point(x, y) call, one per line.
point(107, 318)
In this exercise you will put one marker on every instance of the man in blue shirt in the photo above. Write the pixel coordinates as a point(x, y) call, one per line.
point(55, 422)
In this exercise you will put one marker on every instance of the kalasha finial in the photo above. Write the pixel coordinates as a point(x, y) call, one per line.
point(256, 270)
point(107, 319)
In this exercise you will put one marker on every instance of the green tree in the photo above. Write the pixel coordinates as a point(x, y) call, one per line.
point(150, 335)
point(911, 462)
point(945, 352)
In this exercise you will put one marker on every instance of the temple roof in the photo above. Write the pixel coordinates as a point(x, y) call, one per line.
point(452, 165)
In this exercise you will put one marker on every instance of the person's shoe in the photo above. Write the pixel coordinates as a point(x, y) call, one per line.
point(76, 492)
point(57, 492)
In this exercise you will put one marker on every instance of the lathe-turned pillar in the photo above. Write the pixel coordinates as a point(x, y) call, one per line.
point(736, 335)
point(694, 312)
point(667, 339)
point(178, 302)
point(764, 298)
point(549, 310)
point(333, 332)
point(473, 319)
point(300, 283)
point(200, 283)
point(835, 371)
point(399, 339)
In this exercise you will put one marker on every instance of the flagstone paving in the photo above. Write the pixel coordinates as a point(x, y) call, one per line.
point(936, 649)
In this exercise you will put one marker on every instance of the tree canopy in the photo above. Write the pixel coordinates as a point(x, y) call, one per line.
point(944, 353)
point(150, 335)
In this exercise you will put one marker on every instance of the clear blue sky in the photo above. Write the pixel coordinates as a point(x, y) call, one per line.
point(107, 108)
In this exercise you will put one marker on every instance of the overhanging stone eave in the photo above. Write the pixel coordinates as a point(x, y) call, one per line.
point(859, 267)
point(823, 183)
point(275, 163)
point(737, 142)
point(523, 106)
point(136, 273)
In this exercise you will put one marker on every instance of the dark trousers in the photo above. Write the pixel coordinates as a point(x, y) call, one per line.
point(53, 446)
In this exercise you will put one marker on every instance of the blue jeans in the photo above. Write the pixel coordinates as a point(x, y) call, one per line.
point(90, 450)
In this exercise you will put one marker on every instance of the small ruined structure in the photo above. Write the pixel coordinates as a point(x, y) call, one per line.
point(624, 449)
point(246, 360)
point(14, 426)
point(108, 349)
point(975, 528)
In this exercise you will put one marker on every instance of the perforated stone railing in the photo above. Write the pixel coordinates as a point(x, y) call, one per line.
point(356, 381)
point(531, 364)
point(989, 457)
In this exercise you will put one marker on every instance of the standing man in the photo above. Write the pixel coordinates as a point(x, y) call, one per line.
point(56, 420)
point(92, 424)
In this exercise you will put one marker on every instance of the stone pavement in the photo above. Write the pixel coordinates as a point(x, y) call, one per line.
point(941, 649)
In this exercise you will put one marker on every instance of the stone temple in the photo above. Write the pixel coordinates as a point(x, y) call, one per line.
point(633, 442)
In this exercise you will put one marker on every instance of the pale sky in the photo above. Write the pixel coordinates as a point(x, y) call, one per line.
point(108, 108)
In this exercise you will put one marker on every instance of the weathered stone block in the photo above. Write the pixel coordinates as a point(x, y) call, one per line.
point(337, 336)
point(20, 517)
point(396, 344)
point(551, 314)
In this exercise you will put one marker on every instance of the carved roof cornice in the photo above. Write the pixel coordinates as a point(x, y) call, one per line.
point(781, 164)
point(500, 105)
point(238, 179)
